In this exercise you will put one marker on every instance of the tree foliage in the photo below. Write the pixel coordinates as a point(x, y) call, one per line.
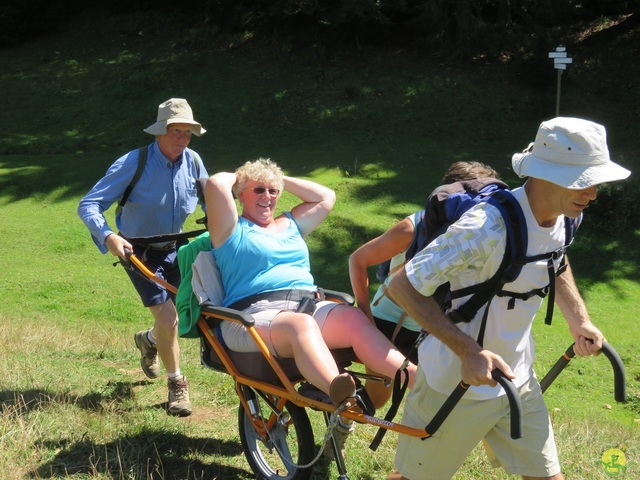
point(472, 27)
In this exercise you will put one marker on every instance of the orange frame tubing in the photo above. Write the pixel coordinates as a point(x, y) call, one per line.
point(285, 392)
point(160, 281)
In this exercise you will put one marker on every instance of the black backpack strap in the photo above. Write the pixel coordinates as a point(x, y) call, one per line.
point(399, 389)
point(142, 161)
point(419, 236)
point(570, 227)
point(512, 262)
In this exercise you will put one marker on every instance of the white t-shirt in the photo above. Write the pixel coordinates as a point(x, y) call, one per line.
point(467, 254)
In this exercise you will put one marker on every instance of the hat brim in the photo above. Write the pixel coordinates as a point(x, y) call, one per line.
point(160, 128)
point(574, 177)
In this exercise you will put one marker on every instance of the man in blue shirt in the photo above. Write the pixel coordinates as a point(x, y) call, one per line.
point(164, 195)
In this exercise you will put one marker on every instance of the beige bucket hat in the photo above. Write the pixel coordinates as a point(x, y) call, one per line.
point(174, 110)
point(570, 152)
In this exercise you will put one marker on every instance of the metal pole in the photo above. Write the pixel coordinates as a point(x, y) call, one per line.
point(558, 93)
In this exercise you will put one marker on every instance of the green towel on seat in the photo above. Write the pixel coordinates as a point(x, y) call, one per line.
point(186, 302)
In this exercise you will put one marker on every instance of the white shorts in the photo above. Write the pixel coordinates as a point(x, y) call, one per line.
point(441, 455)
point(238, 339)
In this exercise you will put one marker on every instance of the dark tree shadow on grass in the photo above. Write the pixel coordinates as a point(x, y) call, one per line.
point(39, 175)
point(26, 401)
point(149, 454)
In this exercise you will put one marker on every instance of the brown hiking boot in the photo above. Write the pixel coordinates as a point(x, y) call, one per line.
point(149, 360)
point(342, 432)
point(179, 403)
point(342, 387)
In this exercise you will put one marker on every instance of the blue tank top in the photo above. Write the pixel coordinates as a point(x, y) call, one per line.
point(256, 260)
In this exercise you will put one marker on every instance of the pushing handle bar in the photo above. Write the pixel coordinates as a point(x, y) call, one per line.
point(445, 409)
point(619, 375)
point(512, 394)
point(515, 405)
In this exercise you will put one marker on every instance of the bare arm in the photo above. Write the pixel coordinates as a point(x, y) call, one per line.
point(587, 336)
point(317, 202)
point(395, 240)
point(222, 212)
point(477, 363)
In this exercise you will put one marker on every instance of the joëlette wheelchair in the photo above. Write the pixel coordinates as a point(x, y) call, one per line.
point(274, 426)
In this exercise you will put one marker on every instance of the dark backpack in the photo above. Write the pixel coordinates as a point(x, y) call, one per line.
point(445, 206)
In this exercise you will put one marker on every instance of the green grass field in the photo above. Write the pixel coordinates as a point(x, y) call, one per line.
point(378, 127)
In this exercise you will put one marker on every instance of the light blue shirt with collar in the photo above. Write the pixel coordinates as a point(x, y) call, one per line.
point(159, 204)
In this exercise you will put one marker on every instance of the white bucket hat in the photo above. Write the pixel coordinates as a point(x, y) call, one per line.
point(174, 110)
point(570, 152)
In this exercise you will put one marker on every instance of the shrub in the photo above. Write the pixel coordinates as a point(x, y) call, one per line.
point(616, 207)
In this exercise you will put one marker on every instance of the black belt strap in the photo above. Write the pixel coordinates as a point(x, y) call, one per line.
point(275, 295)
point(399, 387)
point(165, 238)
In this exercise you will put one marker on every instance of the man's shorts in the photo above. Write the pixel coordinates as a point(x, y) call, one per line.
point(164, 263)
point(440, 456)
point(238, 339)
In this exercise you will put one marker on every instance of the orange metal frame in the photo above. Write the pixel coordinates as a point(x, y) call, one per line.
point(284, 392)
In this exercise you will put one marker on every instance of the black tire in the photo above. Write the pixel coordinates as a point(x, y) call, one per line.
point(296, 446)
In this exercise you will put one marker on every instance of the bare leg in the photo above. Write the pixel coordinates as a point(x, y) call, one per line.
point(297, 335)
point(165, 329)
point(348, 326)
point(377, 391)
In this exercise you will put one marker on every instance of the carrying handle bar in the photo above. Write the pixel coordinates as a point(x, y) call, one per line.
point(619, 375)
point(512, 394)
point(515, 405)
point(141, 269)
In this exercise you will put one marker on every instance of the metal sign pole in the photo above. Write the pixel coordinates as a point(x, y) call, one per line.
point(560, 62)
point(558, 93)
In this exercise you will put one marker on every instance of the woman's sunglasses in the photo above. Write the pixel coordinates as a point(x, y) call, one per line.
point(272, 191)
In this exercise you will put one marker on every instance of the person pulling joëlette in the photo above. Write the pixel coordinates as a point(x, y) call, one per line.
point(153, 202)
point(564, 165)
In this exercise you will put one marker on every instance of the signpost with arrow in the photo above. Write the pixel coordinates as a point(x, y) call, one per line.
point(560, 62)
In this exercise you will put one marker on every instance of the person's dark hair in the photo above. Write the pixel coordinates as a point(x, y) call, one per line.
point(459, 171)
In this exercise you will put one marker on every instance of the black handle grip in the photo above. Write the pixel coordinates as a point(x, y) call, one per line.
point(552, 374)
point(515, 405)
point(619, 375)
point(126, 261)
point(446, 408)
point(512, 394)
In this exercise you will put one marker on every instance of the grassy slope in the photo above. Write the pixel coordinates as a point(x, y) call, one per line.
point(377, 127)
